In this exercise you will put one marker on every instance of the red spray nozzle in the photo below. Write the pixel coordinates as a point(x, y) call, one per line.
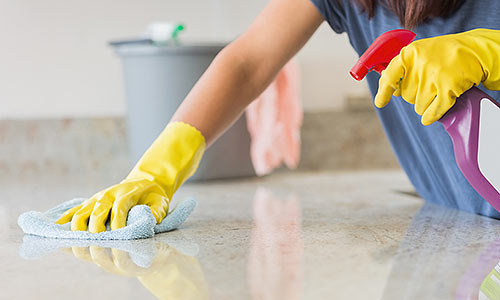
point(381, 52)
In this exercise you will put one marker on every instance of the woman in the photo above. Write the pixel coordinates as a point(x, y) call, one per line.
point(434, 72)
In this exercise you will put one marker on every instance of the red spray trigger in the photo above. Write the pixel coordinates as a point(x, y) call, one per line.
point(381, 52)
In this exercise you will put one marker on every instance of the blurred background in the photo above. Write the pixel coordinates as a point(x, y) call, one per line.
point(64, 105)
point(56, 62)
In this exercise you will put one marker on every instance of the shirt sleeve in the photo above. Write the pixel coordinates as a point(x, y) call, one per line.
point(333, 12)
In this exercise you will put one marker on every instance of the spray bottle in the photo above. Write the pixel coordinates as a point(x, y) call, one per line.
point(473, 123)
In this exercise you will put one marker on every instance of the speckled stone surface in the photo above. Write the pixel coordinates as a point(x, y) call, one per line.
point(332, 140)
point(302, 235)
point(345, 140)
point(71, 148)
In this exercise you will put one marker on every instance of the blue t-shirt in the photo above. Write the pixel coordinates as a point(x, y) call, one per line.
point(424, 152)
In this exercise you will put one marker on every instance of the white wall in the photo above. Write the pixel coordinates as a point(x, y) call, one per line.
point(55, 62)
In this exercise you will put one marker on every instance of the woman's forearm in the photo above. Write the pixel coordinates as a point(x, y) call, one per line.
point(242, 70)
point(221, 94)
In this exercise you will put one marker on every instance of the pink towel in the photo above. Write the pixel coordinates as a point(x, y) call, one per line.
point(274, 120)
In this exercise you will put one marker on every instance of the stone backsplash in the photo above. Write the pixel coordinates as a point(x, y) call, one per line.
point(96, 149)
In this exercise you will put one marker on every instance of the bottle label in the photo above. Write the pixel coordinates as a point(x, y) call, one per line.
point(488, 153)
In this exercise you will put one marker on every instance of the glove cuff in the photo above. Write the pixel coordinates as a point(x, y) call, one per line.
point(172, 158)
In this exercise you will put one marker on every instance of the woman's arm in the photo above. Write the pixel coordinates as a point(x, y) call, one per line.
point(244, 68)
point(238, 75)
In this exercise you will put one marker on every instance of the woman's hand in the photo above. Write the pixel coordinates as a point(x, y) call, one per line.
point(431, 73)
point(94, 213)
point(170, 161)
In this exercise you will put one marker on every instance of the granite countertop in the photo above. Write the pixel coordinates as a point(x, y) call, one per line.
point(297, 235)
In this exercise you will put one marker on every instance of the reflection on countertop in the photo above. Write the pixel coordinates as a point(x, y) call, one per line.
point(482, 278)
point(276, 247)
point(439, 247)
point(345, 235)
point(167, 271)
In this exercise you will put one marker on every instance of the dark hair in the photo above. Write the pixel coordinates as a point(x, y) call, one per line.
point(413, 12)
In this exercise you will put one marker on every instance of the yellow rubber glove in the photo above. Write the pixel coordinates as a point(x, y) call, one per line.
point(170, 161)
point(431, 73)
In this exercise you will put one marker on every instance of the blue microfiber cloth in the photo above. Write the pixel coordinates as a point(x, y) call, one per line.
point(140, 222)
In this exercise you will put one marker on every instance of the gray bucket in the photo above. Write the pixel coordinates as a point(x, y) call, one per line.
point(157, 79)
